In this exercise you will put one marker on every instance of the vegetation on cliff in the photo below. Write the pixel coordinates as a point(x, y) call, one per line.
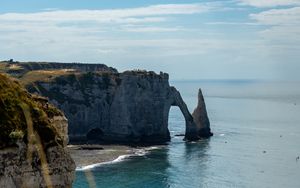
point(19, 69)
point(21, 112)
point(43, 75)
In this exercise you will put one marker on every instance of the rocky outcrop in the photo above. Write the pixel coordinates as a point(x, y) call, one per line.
point(190, 126)
point(130, 107)
point(33, 137)
point(16, 170)
point(200, 117)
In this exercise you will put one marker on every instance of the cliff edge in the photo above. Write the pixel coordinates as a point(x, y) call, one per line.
point(128, 107)
point(33, 136)
point(103, 105)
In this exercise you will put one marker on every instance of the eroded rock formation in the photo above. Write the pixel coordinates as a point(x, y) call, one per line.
point(200, 117)
point(104, 105)
point(33, 137)
point(117, 107)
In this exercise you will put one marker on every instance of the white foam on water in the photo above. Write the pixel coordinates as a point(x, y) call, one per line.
point(117, 160)
point(137, 152)
point(154, 147)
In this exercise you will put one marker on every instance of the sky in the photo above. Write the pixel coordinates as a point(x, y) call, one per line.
point(189, 39)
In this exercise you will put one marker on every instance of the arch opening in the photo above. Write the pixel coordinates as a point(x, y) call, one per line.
point(176, 122)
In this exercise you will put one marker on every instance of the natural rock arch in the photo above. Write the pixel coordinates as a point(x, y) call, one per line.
point(128, 107)
point(196, 125)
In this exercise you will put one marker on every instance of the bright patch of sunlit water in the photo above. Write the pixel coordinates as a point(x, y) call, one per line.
point(256, 142)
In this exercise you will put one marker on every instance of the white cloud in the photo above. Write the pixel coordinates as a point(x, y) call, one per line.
point(68, 33)
point(147, 29)
point(269, 3)
point(108, 15)
point(158, 34)
point(290, 16)
point(283, 25)
point(95, 21)
point(84, 29)
point(234, 23)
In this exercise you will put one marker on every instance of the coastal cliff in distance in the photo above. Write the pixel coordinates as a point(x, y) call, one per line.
point(33, 137)
point(107, 106)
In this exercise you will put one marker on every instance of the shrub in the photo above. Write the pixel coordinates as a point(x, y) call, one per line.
point(16, 135)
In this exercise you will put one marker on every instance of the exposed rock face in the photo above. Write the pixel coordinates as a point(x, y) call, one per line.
point(200, 117)
point(17, 171)
point(61, 124)
point(104, 105)
point(116, 107)
point(33, 136)
point(190, 126)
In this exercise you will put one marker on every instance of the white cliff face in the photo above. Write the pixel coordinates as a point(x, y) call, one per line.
point(129, 107)
point(140, 107)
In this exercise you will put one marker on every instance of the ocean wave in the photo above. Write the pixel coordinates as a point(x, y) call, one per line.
point(136, 152)
point(89, 167)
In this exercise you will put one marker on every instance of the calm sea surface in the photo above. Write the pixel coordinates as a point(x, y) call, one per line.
point(256, 142)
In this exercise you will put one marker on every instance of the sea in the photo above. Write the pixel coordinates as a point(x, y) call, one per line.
point(256, 142)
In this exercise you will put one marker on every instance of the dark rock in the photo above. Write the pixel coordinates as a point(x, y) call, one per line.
point(200, 117)
point(90, 147)
point(124, 107)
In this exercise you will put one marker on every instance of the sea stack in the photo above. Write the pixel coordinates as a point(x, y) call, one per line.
point(33, 138)
point(200, 117)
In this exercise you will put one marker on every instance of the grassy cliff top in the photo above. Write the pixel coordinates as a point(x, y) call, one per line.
point(21, 112)
point(44, 75)
point(32, 72)
point(20, 68)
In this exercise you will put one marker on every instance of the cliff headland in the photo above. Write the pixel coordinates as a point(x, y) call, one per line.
point(103, 105)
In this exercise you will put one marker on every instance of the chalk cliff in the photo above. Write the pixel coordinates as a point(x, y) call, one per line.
point(116, 107)
point(33, 137)
point(104, 105)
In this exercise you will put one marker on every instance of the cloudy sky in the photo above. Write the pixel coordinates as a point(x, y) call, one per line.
point(190, 39)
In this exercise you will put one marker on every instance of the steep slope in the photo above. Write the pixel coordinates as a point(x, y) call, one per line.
point(33, 136)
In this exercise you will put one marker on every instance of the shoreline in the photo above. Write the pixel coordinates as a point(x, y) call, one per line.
point(87, 157)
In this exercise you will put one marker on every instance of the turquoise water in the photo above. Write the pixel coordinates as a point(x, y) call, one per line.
point(256, 142)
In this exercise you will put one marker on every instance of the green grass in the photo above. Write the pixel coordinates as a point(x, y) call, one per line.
point(3, 67)
point(19, 110)
point(43, 75)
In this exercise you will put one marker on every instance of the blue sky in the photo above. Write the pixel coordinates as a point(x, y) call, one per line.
point(234, 39)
